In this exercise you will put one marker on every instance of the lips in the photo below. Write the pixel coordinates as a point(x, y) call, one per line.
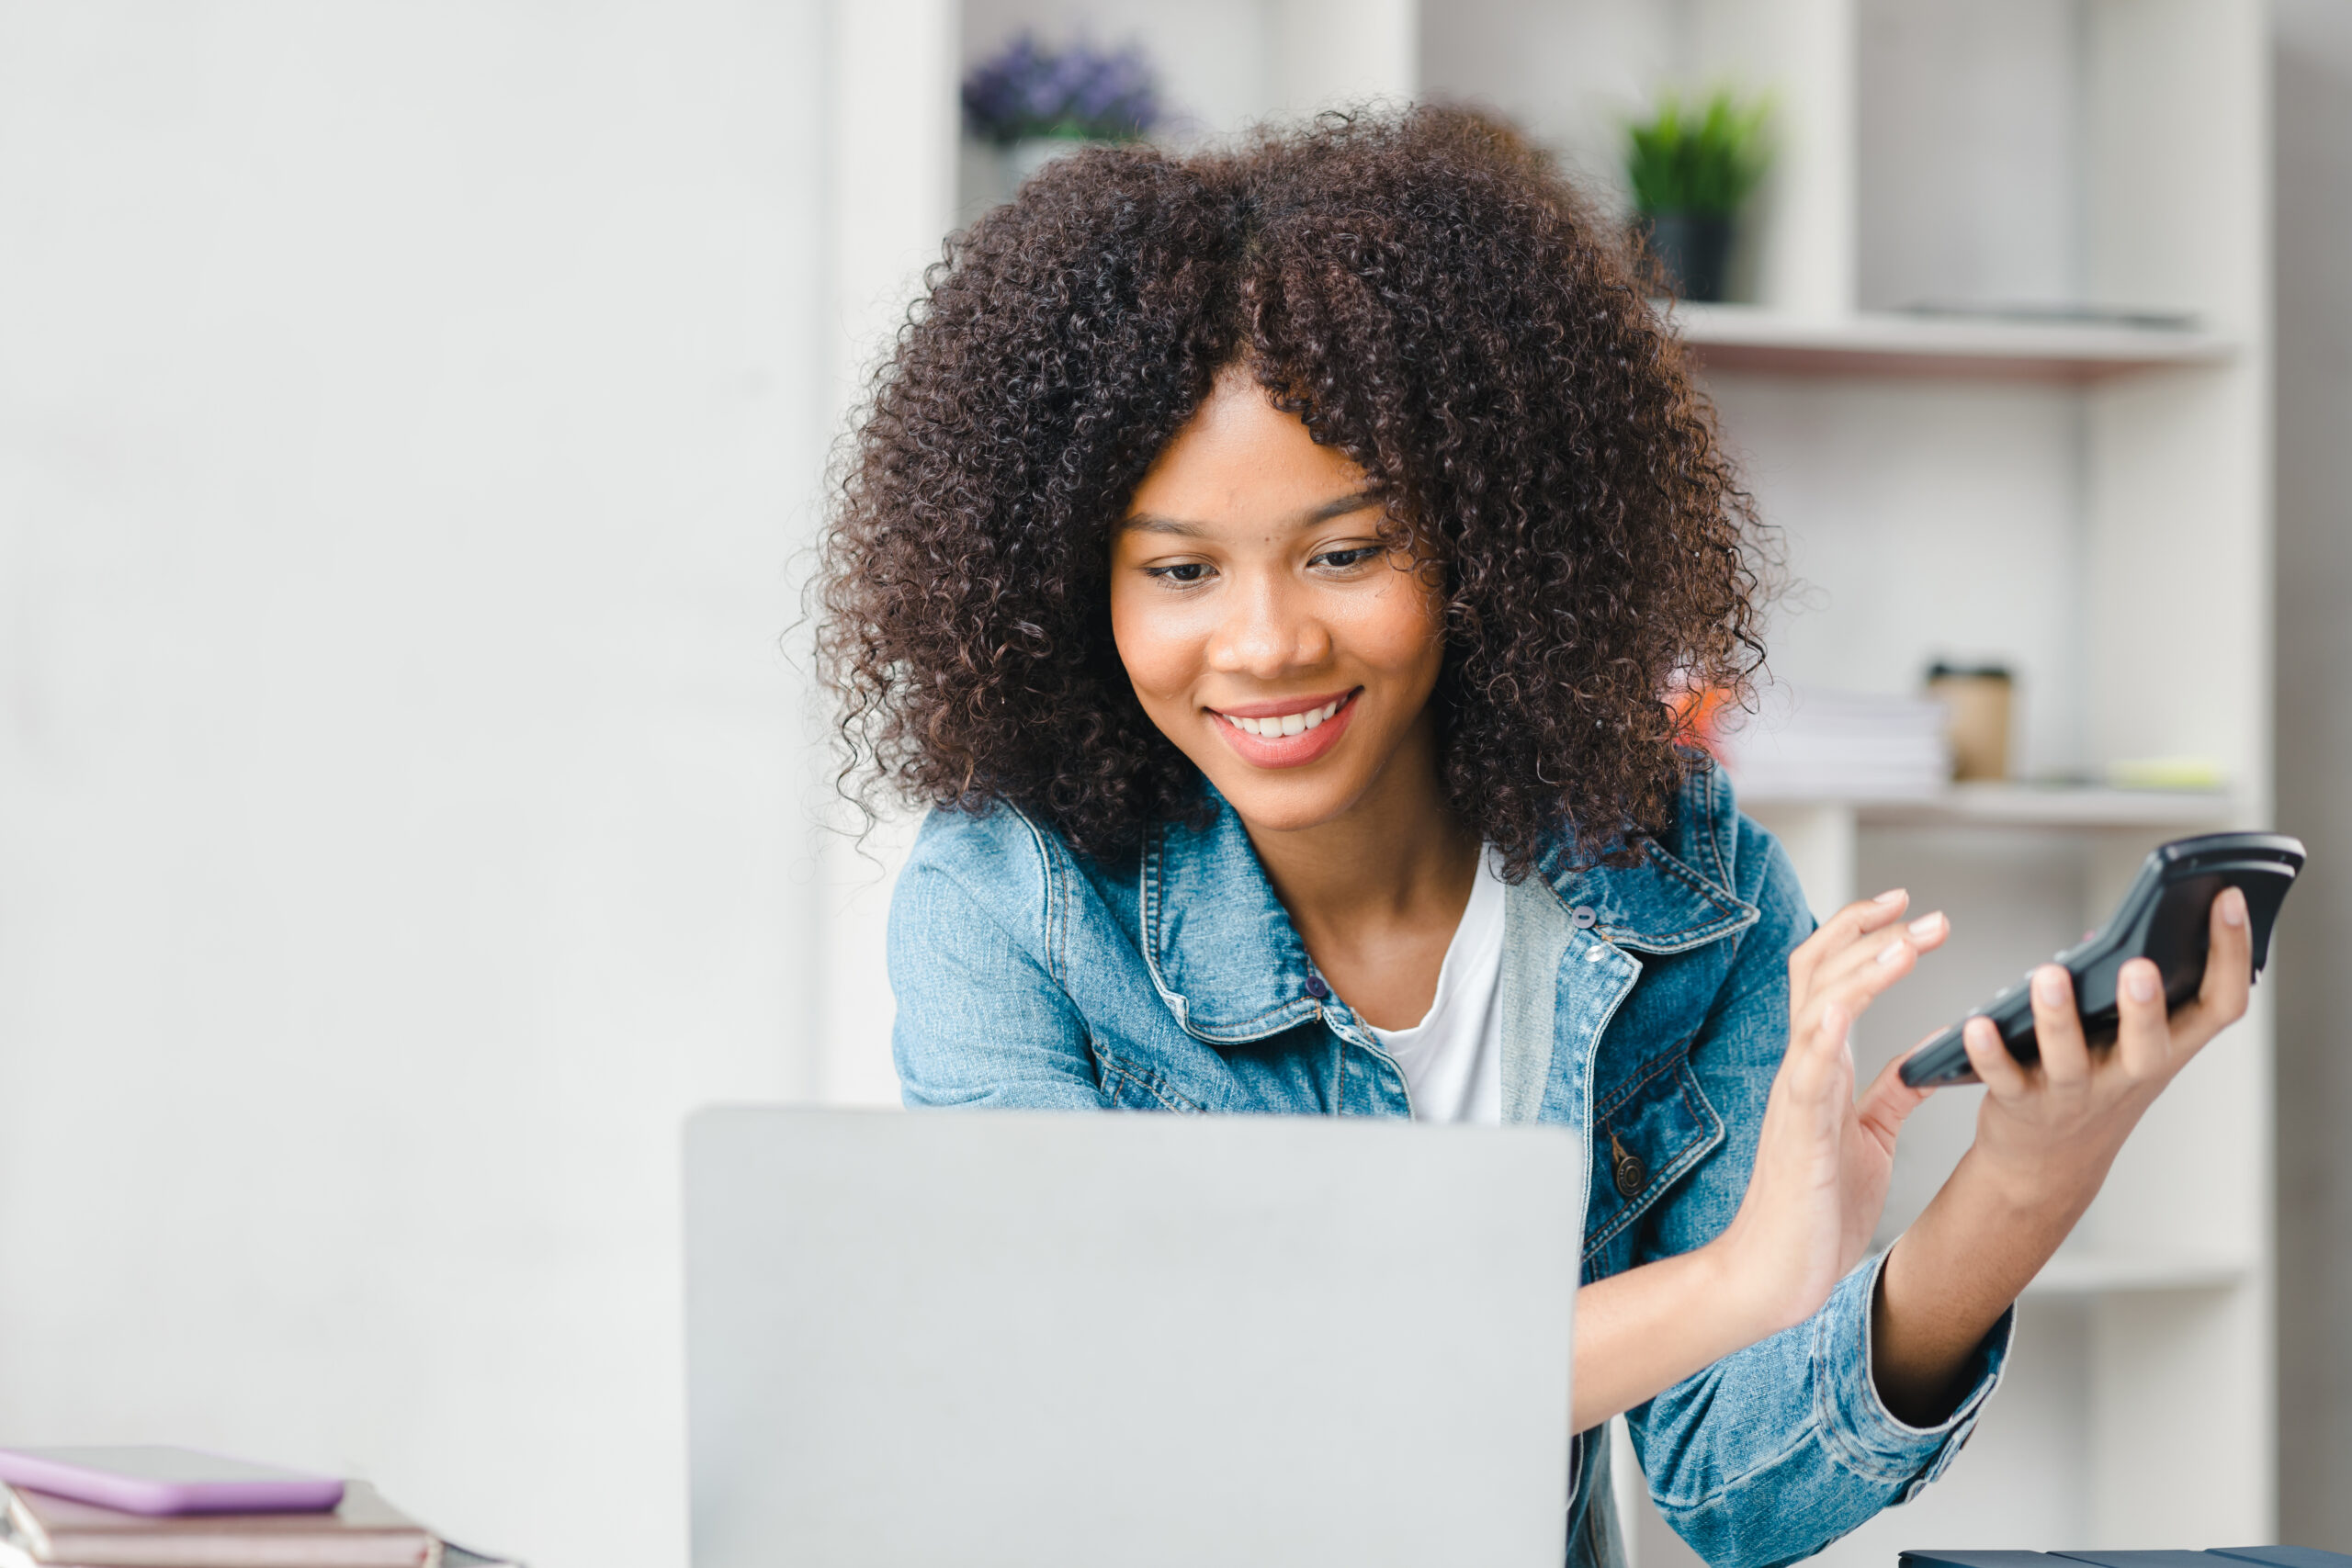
point(1286, 734)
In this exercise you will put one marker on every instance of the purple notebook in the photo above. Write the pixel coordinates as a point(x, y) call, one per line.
point(156, 1480)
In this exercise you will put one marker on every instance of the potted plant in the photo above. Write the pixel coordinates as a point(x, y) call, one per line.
point(1033, 103)
point(1691, 170)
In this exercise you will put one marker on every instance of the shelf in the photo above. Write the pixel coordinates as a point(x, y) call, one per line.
point(2031, 805)
point(2089, 1274)
point(1747, 337)
point(2028, 806)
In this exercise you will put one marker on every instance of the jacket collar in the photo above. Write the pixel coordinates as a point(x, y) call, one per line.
point(1221, 948)
point(1227, 960)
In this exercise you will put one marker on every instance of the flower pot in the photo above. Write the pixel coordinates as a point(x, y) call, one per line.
point(1691, 248)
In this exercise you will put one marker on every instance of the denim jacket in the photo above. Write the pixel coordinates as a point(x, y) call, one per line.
point(1646, 1006)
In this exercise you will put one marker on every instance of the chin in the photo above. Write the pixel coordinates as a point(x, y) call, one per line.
point(1286, 805)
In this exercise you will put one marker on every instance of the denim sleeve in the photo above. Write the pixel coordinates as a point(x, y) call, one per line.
point(981, 1021)
point(1778, 1449)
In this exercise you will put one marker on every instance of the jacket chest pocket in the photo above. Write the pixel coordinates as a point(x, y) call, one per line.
point(1647, 1133)
point(1130, 1086)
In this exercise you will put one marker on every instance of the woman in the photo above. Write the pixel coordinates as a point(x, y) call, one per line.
point(1277, 570)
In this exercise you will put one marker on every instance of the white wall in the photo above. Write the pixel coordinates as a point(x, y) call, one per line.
point(406, 416)
point(1571, 75)
point(895, 73)
point(1970, 158)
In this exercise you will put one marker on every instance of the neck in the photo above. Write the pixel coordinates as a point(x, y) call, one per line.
point(1397, 856)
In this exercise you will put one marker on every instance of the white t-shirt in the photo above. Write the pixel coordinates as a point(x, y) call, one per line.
point(1453, 1059)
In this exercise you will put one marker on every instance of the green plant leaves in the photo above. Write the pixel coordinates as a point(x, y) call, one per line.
point(1703, 161)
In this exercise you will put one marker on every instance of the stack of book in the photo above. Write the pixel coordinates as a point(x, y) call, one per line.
point(1813, 743)
point(363, 1531)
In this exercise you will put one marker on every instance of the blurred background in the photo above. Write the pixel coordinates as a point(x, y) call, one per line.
point(413, 798)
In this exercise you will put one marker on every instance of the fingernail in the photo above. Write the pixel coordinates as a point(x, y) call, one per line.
point(2232, 906)
point(2050, 986)
point(1894, 951)
point(1892, 896)
point(1924, 926)
point(2141, 984)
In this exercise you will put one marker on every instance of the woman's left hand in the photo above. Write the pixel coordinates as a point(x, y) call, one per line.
point(2045, 1137)
point(2050, 1131)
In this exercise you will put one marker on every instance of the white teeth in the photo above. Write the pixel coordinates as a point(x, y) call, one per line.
point(1288, 724)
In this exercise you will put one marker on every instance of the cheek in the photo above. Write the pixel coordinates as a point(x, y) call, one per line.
point(1160, 652)
point(1400, 631)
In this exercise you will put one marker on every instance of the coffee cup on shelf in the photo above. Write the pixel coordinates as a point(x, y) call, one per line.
point(1977, 700)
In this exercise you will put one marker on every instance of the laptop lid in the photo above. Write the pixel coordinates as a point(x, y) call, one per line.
point(1047, 1339)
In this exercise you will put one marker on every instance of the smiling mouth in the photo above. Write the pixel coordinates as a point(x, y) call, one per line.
point(1273, 726)
point(1290, 733)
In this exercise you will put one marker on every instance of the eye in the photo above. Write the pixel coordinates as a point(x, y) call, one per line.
point(1181, 573)
point(1346, 559)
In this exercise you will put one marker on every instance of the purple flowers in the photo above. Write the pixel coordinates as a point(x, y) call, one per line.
point(1079, 92)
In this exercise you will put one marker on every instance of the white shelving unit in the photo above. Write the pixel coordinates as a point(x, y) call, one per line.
point(2087, 502)
point(2084, 500)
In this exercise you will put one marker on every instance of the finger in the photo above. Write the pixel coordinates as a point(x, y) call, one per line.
point(1888, 1101)
point(1870, 914)
point(2143, 1037)
point(1929, 931)
point(1861, 984)
point(2229, 958)
point(1840, 931)
point(1922, 935)
point(2003, 1076)
point(2228, 972)
point(2065, 1054)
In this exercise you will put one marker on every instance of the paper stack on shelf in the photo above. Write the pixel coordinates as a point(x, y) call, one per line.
point(1814, 743)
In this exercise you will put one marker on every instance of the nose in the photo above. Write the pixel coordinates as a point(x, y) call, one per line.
point(1267, 631)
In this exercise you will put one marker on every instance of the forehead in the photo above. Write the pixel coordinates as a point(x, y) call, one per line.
point(1241, 459)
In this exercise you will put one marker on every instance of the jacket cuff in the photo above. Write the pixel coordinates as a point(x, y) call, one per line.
point(1866, 1436)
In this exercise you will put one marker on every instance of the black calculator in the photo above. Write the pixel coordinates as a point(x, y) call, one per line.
point(2163, 916)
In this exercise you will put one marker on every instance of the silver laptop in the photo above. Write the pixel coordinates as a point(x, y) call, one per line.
point(988, 1337)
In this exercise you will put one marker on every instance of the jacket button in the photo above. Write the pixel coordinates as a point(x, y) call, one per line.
point(1626, 1169)
point(1584, 917)
point(1631, 1176)
point(1316, 988)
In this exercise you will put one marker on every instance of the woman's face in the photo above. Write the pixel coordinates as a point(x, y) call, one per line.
point(1267, 632)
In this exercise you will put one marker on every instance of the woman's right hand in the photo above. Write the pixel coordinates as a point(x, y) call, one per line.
point(1813, 1197)
point(1822, 1161)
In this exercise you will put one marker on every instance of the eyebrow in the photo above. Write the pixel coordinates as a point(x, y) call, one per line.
point(1338, 506)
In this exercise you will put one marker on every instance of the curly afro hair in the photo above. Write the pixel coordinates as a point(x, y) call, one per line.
point(1433, 299)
